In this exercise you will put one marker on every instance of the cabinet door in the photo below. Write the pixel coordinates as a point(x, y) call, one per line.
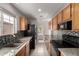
point(23, 23)
point(22, 52)
point(67, 13)
point(50, 24)
point(75, 17)
point(60, 18)
point(55, 23)
point(27, 49)
point(62, 54)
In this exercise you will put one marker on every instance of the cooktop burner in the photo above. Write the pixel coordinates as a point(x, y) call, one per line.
point(62, 44)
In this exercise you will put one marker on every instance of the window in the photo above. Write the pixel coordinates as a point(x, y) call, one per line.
point(7, 23)
point(5, 17)
point(11, 20)
point(15, 25)
point(0, 16)
point(0, 23)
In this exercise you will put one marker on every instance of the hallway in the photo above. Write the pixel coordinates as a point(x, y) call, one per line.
point(40, 49)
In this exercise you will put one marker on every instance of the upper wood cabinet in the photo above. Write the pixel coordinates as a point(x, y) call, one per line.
point(67, 13)
point(50, 24)
point(60, 18)
point(71, 12)
point(54, 23)
point(75, 17)
point(23, 23)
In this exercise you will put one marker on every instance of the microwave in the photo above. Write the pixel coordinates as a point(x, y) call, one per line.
point(66, 25)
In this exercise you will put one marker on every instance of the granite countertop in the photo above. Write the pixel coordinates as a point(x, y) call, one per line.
point(26, 39)
point(6, 51)
point(69, 51)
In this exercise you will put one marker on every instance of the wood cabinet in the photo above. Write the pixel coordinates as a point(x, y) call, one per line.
point(50, 24)
point(71, 12)
point(23, 23)
point(67, 13)
point(75, 17)
point(27, 49)
point(54, 23)
point(22, 52)
point(60, 18)
point(61, 53)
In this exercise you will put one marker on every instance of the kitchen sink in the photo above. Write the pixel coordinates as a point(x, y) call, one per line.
point(15, 45)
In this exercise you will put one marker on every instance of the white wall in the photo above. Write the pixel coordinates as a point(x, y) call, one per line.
point(45, 27)
point(12, 10)
point(31, 21)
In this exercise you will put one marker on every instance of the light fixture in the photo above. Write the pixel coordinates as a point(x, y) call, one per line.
point(39, 10)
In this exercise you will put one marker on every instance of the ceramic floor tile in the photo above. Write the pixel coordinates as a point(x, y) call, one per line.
point(40, 50)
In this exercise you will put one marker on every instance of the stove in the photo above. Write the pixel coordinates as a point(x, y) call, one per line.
point(61, 44)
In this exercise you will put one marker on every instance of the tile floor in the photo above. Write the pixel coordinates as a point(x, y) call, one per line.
point(40, 49)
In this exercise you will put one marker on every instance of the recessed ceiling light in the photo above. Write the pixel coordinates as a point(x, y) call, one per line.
point(39, 10)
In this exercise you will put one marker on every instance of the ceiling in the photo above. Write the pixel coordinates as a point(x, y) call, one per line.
point(48, 10)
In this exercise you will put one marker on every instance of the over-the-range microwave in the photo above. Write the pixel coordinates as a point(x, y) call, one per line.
point(65, 26)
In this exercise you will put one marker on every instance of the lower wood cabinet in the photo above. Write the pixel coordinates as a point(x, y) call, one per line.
point(61, 54)
point(24, 51)
point(27, 50)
